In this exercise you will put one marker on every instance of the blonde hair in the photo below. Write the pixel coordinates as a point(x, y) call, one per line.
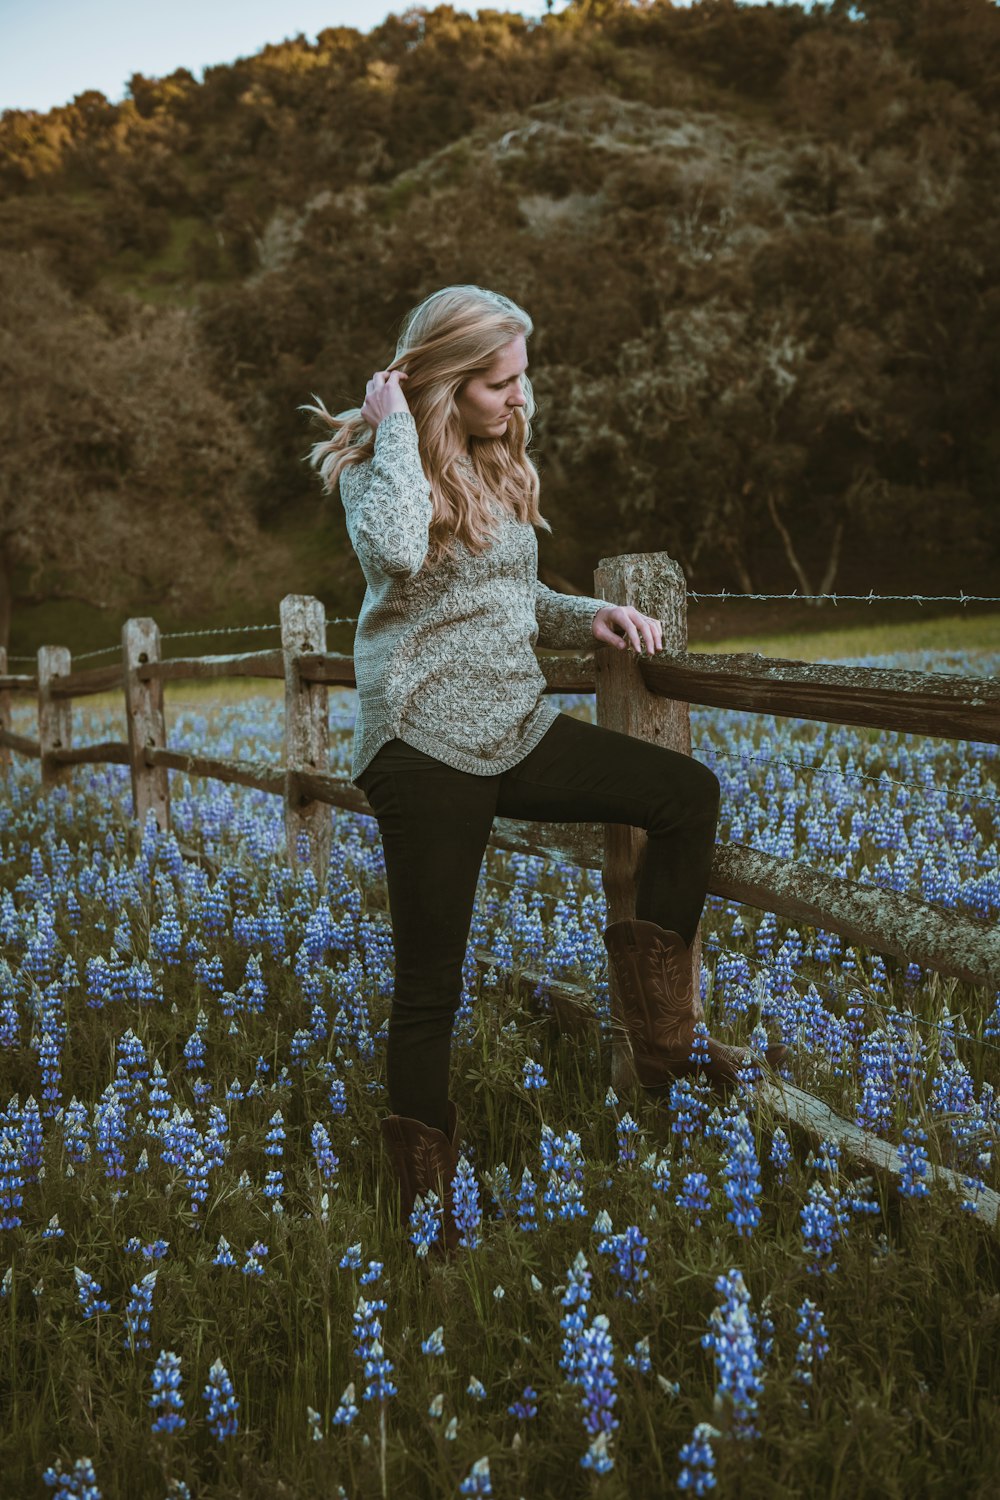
point(451, 337)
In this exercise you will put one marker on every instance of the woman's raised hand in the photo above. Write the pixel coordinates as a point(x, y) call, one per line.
point(383, 395)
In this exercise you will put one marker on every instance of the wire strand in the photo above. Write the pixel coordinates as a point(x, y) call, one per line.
point(870, 598)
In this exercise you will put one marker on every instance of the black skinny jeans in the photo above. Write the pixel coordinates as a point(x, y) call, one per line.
point(435, 822)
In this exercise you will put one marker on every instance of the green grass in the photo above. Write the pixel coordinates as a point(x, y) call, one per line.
point(958, 632)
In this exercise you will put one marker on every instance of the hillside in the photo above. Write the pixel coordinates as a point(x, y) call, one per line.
point(756, 245)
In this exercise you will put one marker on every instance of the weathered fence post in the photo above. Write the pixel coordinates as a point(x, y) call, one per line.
point(146, 722)
point(55, 715)
point(6, 758)
point(653, 583)
point(307, 730)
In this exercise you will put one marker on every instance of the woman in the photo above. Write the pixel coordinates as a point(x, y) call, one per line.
point(453, 728)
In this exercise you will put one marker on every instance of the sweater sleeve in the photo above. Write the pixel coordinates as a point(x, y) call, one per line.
point(564, 620)
point(387, 501)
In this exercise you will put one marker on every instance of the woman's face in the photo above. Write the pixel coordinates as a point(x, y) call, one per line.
point(486, 402)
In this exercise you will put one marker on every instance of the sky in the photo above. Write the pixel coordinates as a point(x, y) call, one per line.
point(51, 50)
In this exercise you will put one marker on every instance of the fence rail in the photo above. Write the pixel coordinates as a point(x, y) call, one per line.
point(644, 696)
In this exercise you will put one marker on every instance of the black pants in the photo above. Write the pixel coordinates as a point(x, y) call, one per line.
point(435, 822)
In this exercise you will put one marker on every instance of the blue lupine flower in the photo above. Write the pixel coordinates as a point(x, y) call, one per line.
point(79, 1484)
point(425, 1221)
point(165, 936)
point(875, 1074)
point(781, 1153)
point(953, 1091)
point(159, 1096)
point(661, 1175)
point(373, 1273)
point(253, 990)
point(301, 1045)
point(639, 1360)
point(597, 1456)
point(367, 1324)
point(222, 1403)
point(76, 1131)
point(700, 1056)
point(475, 1388)
point(89, 1292)
point(562, 1163)
point(10, 1022)
point(813, 1344)
point(275, 1135)
point(179, 1138)
point(110, 1130)
point(628, 1131)
point(629, 1248)
point(138, 1311)
point(465, 1204)
point(274, 1186)
point(526, 1203)
point(477, 1481)
point(823, 1227)
point(377, 1369)
point(689, 1105)
point(524, 1408)
point(132, 1055)
point(826, 1158)
point(194, 1050)
point(974, 1187)
point(914, 1162)
point(501, 1190)
point(859, 1197)
point(11, 1179)
point(575, 1297)
point(346, 1410)
point(50, 1062)
point(434, 1343)
point(223, 1255)
point(741, 1179)
point(351, 1258)
point(254, 1265)
point(167, 1393)
point(214, 1141)
point(597, 1379)
point(196, 1170)
point(534, 1075)
point(694, 1196)
point(733, 1341)
point(337, 1096)
point(697, 1458)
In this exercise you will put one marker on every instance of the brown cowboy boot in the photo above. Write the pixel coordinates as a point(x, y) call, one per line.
point(652, 966)
point(425, 1159)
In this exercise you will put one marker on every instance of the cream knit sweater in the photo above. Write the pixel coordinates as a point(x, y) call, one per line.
point(444, 657)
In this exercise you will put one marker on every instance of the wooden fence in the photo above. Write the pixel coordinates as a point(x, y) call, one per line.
point(648, 697)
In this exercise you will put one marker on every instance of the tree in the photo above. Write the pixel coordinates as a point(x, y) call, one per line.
point(126, 477)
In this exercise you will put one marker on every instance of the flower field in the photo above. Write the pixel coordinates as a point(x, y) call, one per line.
point(205, 1289)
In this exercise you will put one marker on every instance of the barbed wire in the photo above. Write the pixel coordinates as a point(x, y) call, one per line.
point(870, 598)
point(181, 635)
point(696, 594)
point(915, 786)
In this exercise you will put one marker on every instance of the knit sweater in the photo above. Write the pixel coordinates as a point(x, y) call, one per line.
point(443, 656)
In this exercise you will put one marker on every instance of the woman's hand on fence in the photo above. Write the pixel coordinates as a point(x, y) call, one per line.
point(622, 625)
point(384, 394)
